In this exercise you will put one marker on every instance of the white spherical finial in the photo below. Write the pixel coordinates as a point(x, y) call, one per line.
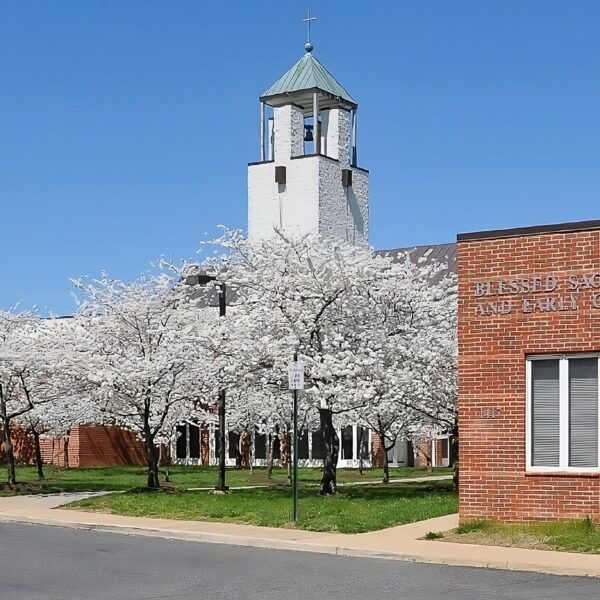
point(308, 47)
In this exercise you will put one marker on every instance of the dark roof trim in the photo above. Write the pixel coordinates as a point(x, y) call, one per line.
point(260, 162)
point(340, 99)
point(526, 231)
point(311, 155)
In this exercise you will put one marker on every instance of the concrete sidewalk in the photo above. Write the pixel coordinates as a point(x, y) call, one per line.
point(341, 485)
point(397, 543)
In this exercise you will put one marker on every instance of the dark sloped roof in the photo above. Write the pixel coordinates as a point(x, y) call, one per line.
point(441, 253)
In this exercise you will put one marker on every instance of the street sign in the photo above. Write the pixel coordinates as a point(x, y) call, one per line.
point(296, 375)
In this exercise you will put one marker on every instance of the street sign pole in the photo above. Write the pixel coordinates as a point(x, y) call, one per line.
point(295, 474)
point(296, 382)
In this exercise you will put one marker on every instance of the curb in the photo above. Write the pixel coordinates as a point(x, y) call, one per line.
point(176, 534)
point(500, 565)
point(297, 546)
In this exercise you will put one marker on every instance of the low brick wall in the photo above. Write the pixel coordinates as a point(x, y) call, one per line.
point(88, 446)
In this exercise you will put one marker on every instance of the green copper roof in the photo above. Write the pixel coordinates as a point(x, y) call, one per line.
point(306, 74)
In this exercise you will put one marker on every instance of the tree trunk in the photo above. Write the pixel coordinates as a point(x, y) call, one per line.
point(38, 454)
point(331, 443)
point(286, 450)
point(238, 455)
point(251, 438)
point(270, 457)
point(386, 469)
point(10, 453)
point(151, 457)
point(245, 450)
point(166, 461)
point(386, 449)
point(359, 448)
point(66, 450)
point(53, 459)
point(410, 451)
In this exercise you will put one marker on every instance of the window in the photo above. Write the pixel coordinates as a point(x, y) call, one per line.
point(362, 437)
point(234, 444)
point(303, 445)
point(563, 413)
point(194, 433)
point(347, 443)
point(260, 446)
point(276, 447)
point(318, 449)
point(217, 443)
point(181, 443)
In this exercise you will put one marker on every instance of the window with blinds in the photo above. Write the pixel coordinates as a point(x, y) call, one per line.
point(583, 412)
point(563, 412)
point(545, 408)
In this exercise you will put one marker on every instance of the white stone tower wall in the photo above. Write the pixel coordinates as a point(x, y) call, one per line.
point(313, 199)
point(359, 197)
point(343, 212)
point(336, 132)
point(292, 207)
point(288, 133)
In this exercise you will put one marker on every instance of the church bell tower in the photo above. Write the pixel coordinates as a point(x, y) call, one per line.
point(307, 179)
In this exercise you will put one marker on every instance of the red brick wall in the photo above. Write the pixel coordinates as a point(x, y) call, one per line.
point(99, 445)
point(377, 451)
point(52, 452)
point(423, 451)
point(492, 371)
point(23, 446)
point(89, 446)
point(439, 449)
point(204, 445)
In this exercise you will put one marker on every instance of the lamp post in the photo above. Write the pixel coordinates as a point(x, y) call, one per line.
point(203, 279)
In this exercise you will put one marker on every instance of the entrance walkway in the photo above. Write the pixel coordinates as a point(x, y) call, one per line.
point(341, 485)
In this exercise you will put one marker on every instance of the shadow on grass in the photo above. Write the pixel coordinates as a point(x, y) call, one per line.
point(122, 478)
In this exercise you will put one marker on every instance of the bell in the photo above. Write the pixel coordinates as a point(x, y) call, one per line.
point(308, 133)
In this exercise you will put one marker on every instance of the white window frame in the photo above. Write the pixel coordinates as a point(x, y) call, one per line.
point(563, 370)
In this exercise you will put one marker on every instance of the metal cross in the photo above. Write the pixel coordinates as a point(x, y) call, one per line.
point(307, 20)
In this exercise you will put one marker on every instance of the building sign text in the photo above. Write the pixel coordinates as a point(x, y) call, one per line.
point(544, 294)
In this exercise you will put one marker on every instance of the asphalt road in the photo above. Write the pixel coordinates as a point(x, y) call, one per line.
point(53, 563)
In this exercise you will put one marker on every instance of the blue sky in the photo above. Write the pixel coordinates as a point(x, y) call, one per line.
point(126, 126)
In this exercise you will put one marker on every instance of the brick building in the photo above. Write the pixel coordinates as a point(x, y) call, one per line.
point(529, 346)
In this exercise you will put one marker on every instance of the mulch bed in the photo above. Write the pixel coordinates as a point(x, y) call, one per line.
point(20, 488)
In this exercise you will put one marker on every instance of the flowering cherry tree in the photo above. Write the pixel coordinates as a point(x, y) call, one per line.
point(144, 366)
point(33, 362)
point(354, 317)
point(412, 352)
point(71, 403)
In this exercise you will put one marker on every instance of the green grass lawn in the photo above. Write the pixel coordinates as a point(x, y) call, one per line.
point(125, 478)
point(568, 536)
point(355, 509)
